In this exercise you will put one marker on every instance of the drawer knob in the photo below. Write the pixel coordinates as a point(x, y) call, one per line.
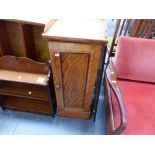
point(19, 77)
point(57, 86)
point(57, 54)
point(29, 92)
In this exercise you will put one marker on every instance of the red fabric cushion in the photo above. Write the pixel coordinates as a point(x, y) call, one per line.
point(135, 59)
point(139, 103)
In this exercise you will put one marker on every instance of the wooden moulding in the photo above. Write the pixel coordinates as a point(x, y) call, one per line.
point(69, 47)
point(22, 64)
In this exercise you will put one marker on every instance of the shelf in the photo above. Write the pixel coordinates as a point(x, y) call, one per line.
point(24, 80)
point(29, 105)
point(23, 77)
point(23, 39)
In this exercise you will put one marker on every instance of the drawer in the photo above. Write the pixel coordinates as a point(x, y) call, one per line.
point(24, 90)
point(28, 105)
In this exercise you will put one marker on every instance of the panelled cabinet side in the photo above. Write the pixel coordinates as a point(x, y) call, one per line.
point(95, 54)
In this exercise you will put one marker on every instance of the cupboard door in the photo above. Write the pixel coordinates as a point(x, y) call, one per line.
point(74, 70)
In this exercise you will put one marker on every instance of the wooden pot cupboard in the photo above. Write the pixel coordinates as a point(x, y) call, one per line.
point(52, 67)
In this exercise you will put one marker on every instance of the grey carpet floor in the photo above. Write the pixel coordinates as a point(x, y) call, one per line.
point(22, 123)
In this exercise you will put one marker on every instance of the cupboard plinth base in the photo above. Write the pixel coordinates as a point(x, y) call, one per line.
point(72, 114)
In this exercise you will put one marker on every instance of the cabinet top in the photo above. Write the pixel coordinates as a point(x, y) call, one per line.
point(84, 31)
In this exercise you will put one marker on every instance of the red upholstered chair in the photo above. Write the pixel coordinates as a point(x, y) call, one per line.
point(130, 88)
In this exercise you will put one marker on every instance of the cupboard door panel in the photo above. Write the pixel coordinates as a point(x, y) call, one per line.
point(74, 76)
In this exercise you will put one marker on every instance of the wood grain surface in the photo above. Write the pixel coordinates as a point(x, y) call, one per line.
point(23, 39)
point(92, 74)
point(22, 64)
point(5, 46)
point(86, 31)
point(15, 39)
point(28, 41)
point(19, 89)
point(40, 44)
point(74, 76)
point(24, 85)
point(31, 21)
point(30, 105)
